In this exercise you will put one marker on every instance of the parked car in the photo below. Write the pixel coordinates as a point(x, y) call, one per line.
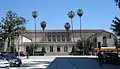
point(4, 63)
point(111, 58)
point(13, 60)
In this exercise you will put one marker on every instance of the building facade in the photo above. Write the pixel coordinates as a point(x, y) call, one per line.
point(60, 42)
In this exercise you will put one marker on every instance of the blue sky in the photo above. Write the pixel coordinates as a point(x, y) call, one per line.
point(98, 14)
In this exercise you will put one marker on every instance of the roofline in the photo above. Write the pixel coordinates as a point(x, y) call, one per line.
point(75, 30)
point(99, 33)
point(26, 37)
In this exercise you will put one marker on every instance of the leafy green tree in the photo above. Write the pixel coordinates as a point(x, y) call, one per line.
point(43, 50)
point(87, 47)
point(116, 43)
point(73, 52)
point(79, 51)
point(79, 45)
point(29, 49)
point(12, 26)
point(73, 49)
point(115, 26)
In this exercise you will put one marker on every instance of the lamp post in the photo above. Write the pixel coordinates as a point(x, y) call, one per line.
point(34, 14)
point(80, 13)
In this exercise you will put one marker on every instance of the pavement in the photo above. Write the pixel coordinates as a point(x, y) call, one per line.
point(41, 62)
point(62, 62)
point(79, 63)
point(35, 62)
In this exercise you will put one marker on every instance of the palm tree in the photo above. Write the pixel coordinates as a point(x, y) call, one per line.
point(34, 14)
point(43, 26)
point(80, 13)
point(67, 27)
point(117, 3)
point(71, 14)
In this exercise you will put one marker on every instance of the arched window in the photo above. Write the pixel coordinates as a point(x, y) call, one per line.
point(104, 41)
point(49, 38)
point(58, 48)
point(65, 49)
point(51, 48)
point(63, 38)
point(54, 38)
point(58, 38)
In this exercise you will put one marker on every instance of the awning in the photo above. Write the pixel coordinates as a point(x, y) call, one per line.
point(104, 49)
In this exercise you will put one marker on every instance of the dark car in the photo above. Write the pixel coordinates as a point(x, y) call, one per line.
point(111, 58)
point(14, 61)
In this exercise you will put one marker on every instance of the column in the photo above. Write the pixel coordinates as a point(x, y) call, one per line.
point(51, 37)
point(60, 37)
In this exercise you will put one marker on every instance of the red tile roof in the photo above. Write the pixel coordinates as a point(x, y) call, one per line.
point(93, 31)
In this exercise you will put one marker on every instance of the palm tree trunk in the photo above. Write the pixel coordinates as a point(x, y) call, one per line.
point(35, 38)
point(43, 36)
point(72, 29)
point(7, 50)
point(80, 29)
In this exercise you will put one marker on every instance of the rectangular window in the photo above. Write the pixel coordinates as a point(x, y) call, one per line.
point(110, 36)
point(58, 48)
point(65, 49)
point(68, 38)
point(58, 38)
point(51, 48)
point(63, 38)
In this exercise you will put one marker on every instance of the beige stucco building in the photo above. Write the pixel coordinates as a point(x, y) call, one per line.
point(60, 42)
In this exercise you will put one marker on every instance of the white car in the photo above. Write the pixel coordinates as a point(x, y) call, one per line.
point(4, 63)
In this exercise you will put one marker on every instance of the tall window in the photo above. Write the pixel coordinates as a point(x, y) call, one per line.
point(67, 38)
point(58, 38)
point(51, 48)
point(49, 38)
point(65, 49)
point(58, 48)
point(110, 36)
point(63, 38)
point(104, 41)
point(54, 39)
